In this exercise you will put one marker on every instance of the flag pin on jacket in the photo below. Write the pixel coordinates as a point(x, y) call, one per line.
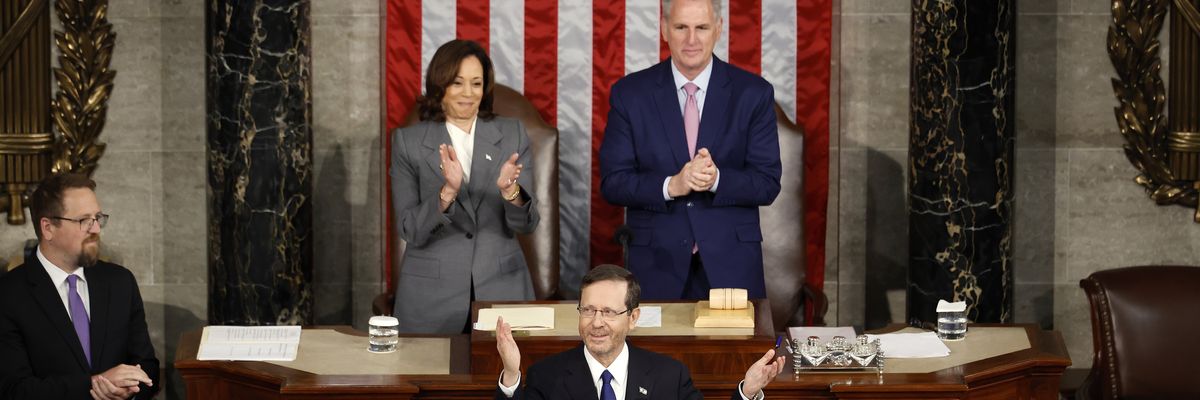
point(488, 156)
point(642, 390)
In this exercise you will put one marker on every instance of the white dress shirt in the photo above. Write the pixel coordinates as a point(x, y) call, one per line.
point(59, 278)
point(701, 81)
point(464, 146)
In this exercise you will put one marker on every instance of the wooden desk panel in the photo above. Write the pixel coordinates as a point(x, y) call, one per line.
point(1033, 373)
point(729, 354)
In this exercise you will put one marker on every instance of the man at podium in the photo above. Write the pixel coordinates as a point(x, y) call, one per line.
point(605, 366)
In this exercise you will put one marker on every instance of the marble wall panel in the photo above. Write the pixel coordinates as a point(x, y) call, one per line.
point(1037, 83)
point(347, 7)
point(851, 243)
point(1112, 223)
point(182, 89)
point(134, 122)
point(1034, 226)
point(885, 234)
point(874, 80)
point(126, 189)
point(1043, 7)
point(181, 250)
point(1083, 109)
point(875, 7)
point(346, 87)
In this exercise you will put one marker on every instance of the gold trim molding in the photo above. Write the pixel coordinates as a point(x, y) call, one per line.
point(1156, 151)
point(29, 150)
point(85, 82)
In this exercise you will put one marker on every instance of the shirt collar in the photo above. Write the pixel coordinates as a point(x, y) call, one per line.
point(619, 367)
point(57, 275)
point(455, 129)
point(701, 80)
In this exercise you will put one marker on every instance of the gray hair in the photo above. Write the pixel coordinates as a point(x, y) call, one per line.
point(666, 9)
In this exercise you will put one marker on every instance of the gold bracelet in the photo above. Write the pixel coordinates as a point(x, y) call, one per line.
point(515, 193)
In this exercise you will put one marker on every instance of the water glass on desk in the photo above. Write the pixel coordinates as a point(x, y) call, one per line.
point(952, 325)
point(383, 334)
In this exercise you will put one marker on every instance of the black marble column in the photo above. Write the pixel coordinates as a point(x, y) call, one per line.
point(259, 162)
point(961, 158)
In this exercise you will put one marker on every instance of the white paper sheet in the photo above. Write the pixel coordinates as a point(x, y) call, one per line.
point(911, 345)
point(520, 318)
point(249, 343)
point(651, 317)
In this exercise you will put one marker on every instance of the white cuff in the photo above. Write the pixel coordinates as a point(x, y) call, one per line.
point(666, 195)
point(757, 396)
point(509, 391)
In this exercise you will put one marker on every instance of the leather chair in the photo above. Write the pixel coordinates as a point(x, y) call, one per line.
point(1144, 322)
point(540, 247)
point(783, 239)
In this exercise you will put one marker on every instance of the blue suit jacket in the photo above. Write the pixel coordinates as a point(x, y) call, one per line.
point(644, 143)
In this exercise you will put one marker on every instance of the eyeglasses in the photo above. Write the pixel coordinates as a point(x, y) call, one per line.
point(85, 223)
point(588, 312)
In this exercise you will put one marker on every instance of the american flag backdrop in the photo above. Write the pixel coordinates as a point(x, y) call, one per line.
point(565, 54)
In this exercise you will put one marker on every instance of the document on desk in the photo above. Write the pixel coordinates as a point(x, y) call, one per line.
point(520, 318)
point(911, 345)
point(651, 317)
point(249, 343)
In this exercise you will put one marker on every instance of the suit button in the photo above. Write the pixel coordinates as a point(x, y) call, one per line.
point(470, 236)
point(689, 204)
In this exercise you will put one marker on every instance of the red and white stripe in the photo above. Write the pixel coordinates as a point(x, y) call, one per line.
point(565, 55)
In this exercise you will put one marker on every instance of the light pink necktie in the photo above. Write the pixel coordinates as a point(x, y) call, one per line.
point(691, 117)
point(691, 125)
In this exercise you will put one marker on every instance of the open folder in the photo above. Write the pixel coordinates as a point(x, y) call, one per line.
point(520, 318)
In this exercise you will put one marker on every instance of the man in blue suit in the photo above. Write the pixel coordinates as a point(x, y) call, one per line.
point(691, 150)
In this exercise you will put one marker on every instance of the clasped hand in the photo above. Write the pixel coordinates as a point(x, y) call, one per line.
point(698, 175)
point(119, 382)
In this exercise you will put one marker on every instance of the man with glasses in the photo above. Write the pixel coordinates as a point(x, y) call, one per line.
point(606, 367)
point(72, 326)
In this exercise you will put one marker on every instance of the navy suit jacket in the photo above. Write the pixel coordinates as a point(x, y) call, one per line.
point(566, 376)
point(40, 355)
point(644, 143)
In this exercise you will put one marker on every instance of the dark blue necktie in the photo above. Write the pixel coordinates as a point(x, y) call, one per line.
point(606, 390)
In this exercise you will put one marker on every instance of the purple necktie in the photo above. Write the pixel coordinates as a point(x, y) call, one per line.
point(79, 317)
point(606, 390)
point(691, 117)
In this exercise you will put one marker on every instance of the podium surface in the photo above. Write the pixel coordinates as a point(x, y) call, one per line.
point(1033, 372)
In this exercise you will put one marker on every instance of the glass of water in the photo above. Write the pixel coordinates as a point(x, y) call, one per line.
point(952, 325)
point(383, 334)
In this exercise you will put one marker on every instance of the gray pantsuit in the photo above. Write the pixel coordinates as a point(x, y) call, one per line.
point(473, 242)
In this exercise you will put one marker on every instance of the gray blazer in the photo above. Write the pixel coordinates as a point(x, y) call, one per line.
point(470, 246)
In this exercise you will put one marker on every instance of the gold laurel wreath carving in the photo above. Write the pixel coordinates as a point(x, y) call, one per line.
point(85, 82)
point(1134, 49)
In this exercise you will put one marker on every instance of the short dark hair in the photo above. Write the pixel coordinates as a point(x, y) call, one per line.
point(609, 272)
point(443, 68)
point(47, 199)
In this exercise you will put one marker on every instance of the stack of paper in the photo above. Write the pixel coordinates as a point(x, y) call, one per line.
point(519, 318)
point(249, 343)
point(911, 345)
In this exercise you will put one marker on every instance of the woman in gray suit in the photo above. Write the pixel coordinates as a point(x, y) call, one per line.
point(460, 197)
